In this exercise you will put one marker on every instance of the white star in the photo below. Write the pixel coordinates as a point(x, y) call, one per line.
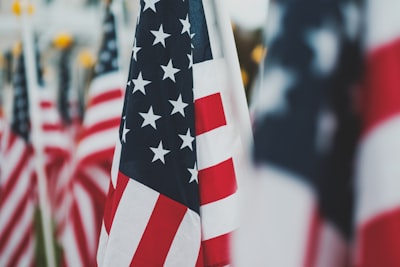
point(135, 50)
point(140, 84)
point(108, 27)
point(160, 36)
point(277, 82)
point(149, 118)
point(178, 106)
point(124, 132)
point(325, 43)
point(187, 140)
point(194, 176)
point(190, 57)
point(352, 19)
point(169, 71)
point(104, 56)
point(111, 45)
point(150, 4)
point(185, 25)
point(128, 83)
point(159, 152)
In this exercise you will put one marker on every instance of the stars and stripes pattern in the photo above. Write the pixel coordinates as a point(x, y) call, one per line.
point(305, 133)
point(172, 196)
point(94, 153)
point(377, 179)
point(17, 181)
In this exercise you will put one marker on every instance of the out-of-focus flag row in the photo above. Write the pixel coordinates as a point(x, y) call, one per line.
point(158, 167)
point(326, 150)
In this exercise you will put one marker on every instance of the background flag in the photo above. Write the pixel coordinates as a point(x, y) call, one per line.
point(94, 153)
point(377, 215)
point(172, 198)
point(299, 210)
point(17, 181)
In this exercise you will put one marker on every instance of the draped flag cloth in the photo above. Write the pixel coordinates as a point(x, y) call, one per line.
point(173, 195)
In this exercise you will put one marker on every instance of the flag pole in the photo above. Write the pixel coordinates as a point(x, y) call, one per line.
point(36, 132)
point(231, 56)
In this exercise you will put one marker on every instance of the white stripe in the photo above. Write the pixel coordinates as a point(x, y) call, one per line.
point(185, 247)
point(202, 84)
point(378, 171)
point(103, 241)
point(70, 243)
point(130, 221)
point(17, 236)
point(216, 146)
point(276, 216)
point(383, 22)
point(56, 140)
point(105, 83)
point(97, 142)
point(50, 116)
point(86, 209)
point(110, 109)
point(219, 217)
point(115, 163)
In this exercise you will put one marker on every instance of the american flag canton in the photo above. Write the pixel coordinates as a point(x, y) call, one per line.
point(157, 127)
point(20, 115)
point(108, 56)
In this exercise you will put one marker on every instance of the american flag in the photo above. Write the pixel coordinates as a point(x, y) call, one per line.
point(94, 153)
point(306, 129)
point(172, 197)
point(377, 180)
point(17, 181)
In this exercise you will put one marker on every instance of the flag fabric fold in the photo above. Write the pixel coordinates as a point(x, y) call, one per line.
point(172, 199)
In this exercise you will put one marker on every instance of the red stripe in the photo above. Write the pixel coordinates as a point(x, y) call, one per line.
point(96, 193)
point(200, 257)
point(217, 182)
point(102, 126)
point(313, 238)
point(380, 241)
point(79, 233)
point(381, 85)
point(216, 251)
point(112, 94)
point(46, 104)
point(113, 199)
point(52, 127)
point(159, 233)
point(98, 156)
point(209, 113)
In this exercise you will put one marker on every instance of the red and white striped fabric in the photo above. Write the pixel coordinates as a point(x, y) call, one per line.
point(378, 170)
point(17, 201)
point(219, 147)
point(18, 183)
point(92, 173)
